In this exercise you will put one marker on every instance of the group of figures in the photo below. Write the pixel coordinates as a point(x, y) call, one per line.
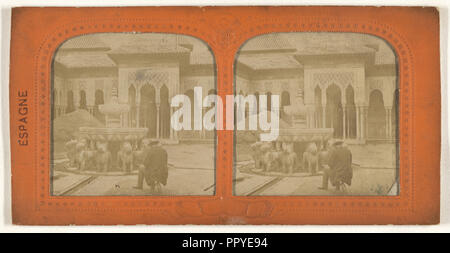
point(85, 155)
point(148, 157)
point(281, 157)
point(334, 159)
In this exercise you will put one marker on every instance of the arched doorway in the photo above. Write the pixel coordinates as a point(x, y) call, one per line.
point(132, 103)
point(285, 101)
point(318, 103)
point(83, 104)
point(147, 111)
point(350, 117)
point(164, 112)
point(70, 105)
point(99, 100)
point(376, 116)
point(334, 113)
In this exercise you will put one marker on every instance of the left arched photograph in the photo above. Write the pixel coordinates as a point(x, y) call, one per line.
point(113, 112)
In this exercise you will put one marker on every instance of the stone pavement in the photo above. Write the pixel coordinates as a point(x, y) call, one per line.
point(180, 182)
point(191, 171)
point(374, 155)
point(366, 181)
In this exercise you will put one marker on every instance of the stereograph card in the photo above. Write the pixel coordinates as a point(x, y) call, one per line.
point(225, 115)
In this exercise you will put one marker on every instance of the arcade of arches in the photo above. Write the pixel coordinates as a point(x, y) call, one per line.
point(356, 94)
point(147, 71)
point(375, 121)
point(358, 110)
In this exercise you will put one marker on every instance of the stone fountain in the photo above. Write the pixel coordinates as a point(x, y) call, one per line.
point(114, 134)
point(297, 136)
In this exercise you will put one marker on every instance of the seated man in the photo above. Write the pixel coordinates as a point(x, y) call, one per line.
point(154, 169)
point(340, 167)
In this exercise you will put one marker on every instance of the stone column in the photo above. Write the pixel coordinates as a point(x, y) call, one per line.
point(358, 123)
point(157, 121)
point(323, 117)
point(138, 102)
point(366, 117)
point(317, 117)
point(309, 116)
point(388, 122)
point(129, 117)
point(324, 106)
point(344, 122)
point(363, 122)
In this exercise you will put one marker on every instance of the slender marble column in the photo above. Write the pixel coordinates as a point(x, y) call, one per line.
point(138, 112)
point(388, 123)
point(358, 123)
point(344, 122)
point(363, 122)
point(157, 121)
point(323, 117)
point(366, 125)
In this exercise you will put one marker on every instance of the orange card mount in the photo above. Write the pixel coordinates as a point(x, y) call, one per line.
point(225, 115)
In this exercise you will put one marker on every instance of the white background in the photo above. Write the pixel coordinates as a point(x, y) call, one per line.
point(5, 164)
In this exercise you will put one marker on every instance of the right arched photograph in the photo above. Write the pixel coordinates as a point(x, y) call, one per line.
point(316, 113)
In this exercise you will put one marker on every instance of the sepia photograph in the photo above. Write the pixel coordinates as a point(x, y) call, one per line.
point(225, 115)
point(111, 116)
point(334, 98)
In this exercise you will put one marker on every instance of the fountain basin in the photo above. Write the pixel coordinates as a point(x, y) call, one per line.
point(113, 134)
point(305, 134)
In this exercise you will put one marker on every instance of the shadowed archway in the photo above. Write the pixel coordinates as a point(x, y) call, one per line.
point(285, 101)
point(147, 110)
point(334, 112)
point(99, 100)
point(70, 103)
point(376, 118)
point(83, 104)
